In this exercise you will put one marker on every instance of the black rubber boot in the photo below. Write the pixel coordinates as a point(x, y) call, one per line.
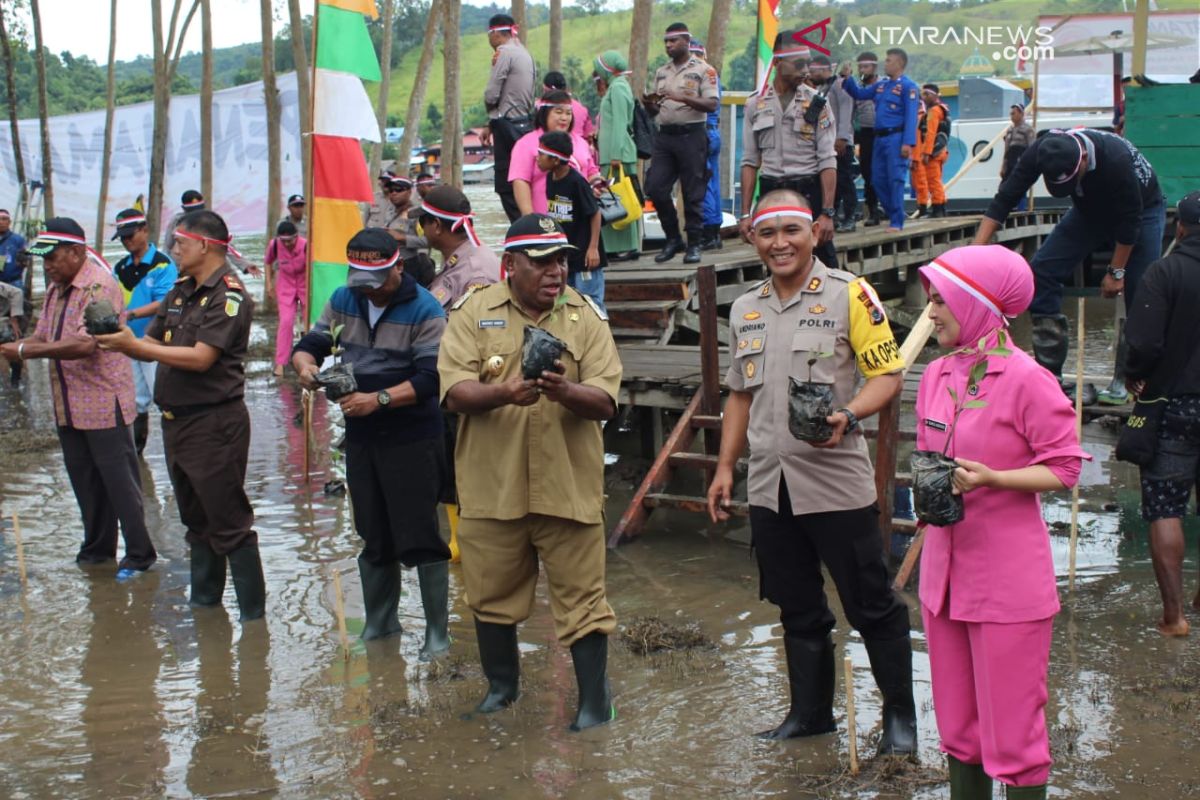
point(712, 238)
point(381, 597)
point(208, 576)
point(1025, 792)
point(1050, 342)
point(590, 655)
point(845, 225)
point(245, 566)
point(875, 216)
point(810, 678)
point(968, 781)
point(1116, 394)
point(939, 211)
point(922, 211)
point(891, 663)
point(501, 663)
point(692, 256)
point(141, 431)
point(670, 250)
point(435, 598)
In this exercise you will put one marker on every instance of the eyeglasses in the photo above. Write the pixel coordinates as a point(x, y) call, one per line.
point(398, 189)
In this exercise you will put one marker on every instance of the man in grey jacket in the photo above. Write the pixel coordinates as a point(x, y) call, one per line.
point(508, 98)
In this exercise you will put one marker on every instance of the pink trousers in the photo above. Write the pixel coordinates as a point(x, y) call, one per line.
point(290, 296)
point(989, 694)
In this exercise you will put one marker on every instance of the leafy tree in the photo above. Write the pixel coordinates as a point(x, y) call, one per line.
point(431, 128)
point(743, 69)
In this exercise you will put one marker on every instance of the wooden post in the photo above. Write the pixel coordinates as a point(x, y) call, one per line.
point(1079, 337)
point(851, 733)
point(710, 365)
point(340, 610)
point(885, 468)
point(306, 409)
point(16, 522)
point(910, 559)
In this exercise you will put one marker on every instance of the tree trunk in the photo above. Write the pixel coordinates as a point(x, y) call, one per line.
point(11, 88)
point(385, 82)
point(416, 100)
point(300, 57)
point(452, 146)
point(556, 35)
point(718, 21)
point(165, 66)
point(206, 99)
point(109, 105)
point(43, 111)
point(518, 15)
point(639, 46)
point(274, 168)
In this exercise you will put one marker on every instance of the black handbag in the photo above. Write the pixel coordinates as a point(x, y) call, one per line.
point(1139, 436)
point(611, 209)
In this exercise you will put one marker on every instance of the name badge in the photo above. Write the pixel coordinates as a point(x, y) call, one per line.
point(493, 323)
point(936, 425)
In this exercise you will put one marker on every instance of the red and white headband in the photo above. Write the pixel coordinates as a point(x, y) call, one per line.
point(533, 239)
point(194, 203)
point(374, 266)
point(866, 62)
point(553, 153)
point(68, 238)
point(226, 243)
point(137, 219)
point(1078, 164)
point(674, 34)
point(544, 104)
point(464, 221)
point(426, 181)
point(610, 70)
point(513, 29)
point(969, 286)
point(781, 211)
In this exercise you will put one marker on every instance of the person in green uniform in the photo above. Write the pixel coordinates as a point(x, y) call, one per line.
point(616, 146)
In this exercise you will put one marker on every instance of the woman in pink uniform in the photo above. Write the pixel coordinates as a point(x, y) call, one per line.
point(529, 183)
point(287, 257)
point(988, 593)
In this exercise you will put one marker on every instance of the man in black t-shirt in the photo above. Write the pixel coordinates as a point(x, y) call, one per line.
point(571, 201)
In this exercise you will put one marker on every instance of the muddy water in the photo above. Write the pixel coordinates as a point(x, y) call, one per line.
point(111, 691)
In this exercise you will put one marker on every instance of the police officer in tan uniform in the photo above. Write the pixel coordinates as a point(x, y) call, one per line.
point(508, 98)
point(199, 338)
point(784, 150)
point(530, 463)
point(401, 221)
point(815, 504)
point(685, 92)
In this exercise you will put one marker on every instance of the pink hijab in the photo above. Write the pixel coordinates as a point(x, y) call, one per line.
point(983, 285)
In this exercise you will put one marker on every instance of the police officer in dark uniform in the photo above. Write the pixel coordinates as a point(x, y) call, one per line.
point(199, 338)
point(685, 92)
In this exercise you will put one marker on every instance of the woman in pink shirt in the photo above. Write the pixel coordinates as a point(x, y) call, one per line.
point(528, 182)
point(287, 263)
point(988, 593)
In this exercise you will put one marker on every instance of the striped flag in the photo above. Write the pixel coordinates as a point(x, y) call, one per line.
point(342, 116)
point(768, 29)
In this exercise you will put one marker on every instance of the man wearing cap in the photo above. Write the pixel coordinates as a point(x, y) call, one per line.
point(12, 249)
point(1115, 195)
point(842, 106)
point(296, 206)
point(401, 223)
point(380, 209)
point(508, 99)
point(896, 104)
point(190, 201)
point(685, 93)
point(864, 118)
point(1162, 362)
point(1017, 139)
point(395, 462)
point(145, 275)
point(814, 504)
point(788, 143)
point(530, 463)
point(199, 338)
point(93, 398)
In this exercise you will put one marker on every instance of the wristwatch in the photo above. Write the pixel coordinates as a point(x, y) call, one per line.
point(829, 212)
point(384, 398)
point(1118, 273)
point(852, 419)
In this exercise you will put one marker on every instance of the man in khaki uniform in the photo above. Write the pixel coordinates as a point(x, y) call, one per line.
point(685, 93)
point(530, 463)
point(784, 150)
point(400, 220)
point(508, 98)
point(815, 503)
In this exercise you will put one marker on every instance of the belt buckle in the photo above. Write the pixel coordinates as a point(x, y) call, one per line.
point(168, 415)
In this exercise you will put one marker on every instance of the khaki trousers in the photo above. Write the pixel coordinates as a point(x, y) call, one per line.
point(500, 566)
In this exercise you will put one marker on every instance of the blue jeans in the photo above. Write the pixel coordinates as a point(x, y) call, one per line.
point(592, 285)
point(143, 383)
point(1073, 239)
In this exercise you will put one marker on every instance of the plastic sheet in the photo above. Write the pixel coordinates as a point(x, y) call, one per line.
point(338, 381)
point(933, 484)
point(808, 406)
point(539, 352)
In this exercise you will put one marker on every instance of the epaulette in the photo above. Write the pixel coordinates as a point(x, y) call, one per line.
point(459, 302)
point(760, 289)
point(841, 275)
point(232, 282)
point(601, 313)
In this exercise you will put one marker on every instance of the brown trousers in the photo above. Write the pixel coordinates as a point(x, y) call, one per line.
point(500, 566)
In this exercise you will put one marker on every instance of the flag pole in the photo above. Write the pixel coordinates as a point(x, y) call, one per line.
point(307, 143)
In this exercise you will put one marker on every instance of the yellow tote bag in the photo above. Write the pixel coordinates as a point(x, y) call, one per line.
point(623, 188)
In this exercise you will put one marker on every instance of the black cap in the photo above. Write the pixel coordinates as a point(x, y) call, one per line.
point(192, 200)
point(399, 182)
point(537, 236)
point(1017, 105)
point(1188, 210)
point(296, 200)
point(1058, 160)
point(128, 221)
point(371, 253)
point(56, 231)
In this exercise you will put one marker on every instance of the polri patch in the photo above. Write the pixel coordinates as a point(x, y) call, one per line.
point(493, 323)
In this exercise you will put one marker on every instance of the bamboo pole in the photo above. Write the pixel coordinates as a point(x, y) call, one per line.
point(306, 411)
point(1079, 339)
point(340, 610)
point(16, 523)
point(910, 559)
point(851, 733)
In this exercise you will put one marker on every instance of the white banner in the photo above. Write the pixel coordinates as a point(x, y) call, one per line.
point(239, 157)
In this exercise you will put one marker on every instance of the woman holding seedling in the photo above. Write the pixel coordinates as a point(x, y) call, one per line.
point(988, 595)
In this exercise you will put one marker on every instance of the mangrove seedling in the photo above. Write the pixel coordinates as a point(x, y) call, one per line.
point(338, 381)
point(809, 406)
point(99, 316)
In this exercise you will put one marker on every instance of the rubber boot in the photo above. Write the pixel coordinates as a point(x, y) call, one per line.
point(501, 663)
point(1050, 342)
point(692, 256)
point(939, 211)
point(1116, 394)
point(381, 598)
point(712, 238)
point(922, 211)
point(875, 216)
point(810, 678)
point(1025, 792)
point(590, 655)
point(891, 663)
point(141, 431)
point(846, 224)
point(968, 781)
point(435, 599)
point(208, 576)
point(245, 566)
point(452, 519)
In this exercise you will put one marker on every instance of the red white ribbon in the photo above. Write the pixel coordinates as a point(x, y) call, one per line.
point(226, 243)
point(554, 153)
point(374, 266)
point(68, 238)
point(194, 203)
point(464, 221)
point(781, 211)
point(969, 286)
point(514, 242)
point(611, 70)
point(134, 220)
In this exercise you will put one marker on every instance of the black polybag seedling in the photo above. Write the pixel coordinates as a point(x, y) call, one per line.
point(338, 381)
point(539, 352)
point(99, 317)
point(809, 404)
point(933, 489)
